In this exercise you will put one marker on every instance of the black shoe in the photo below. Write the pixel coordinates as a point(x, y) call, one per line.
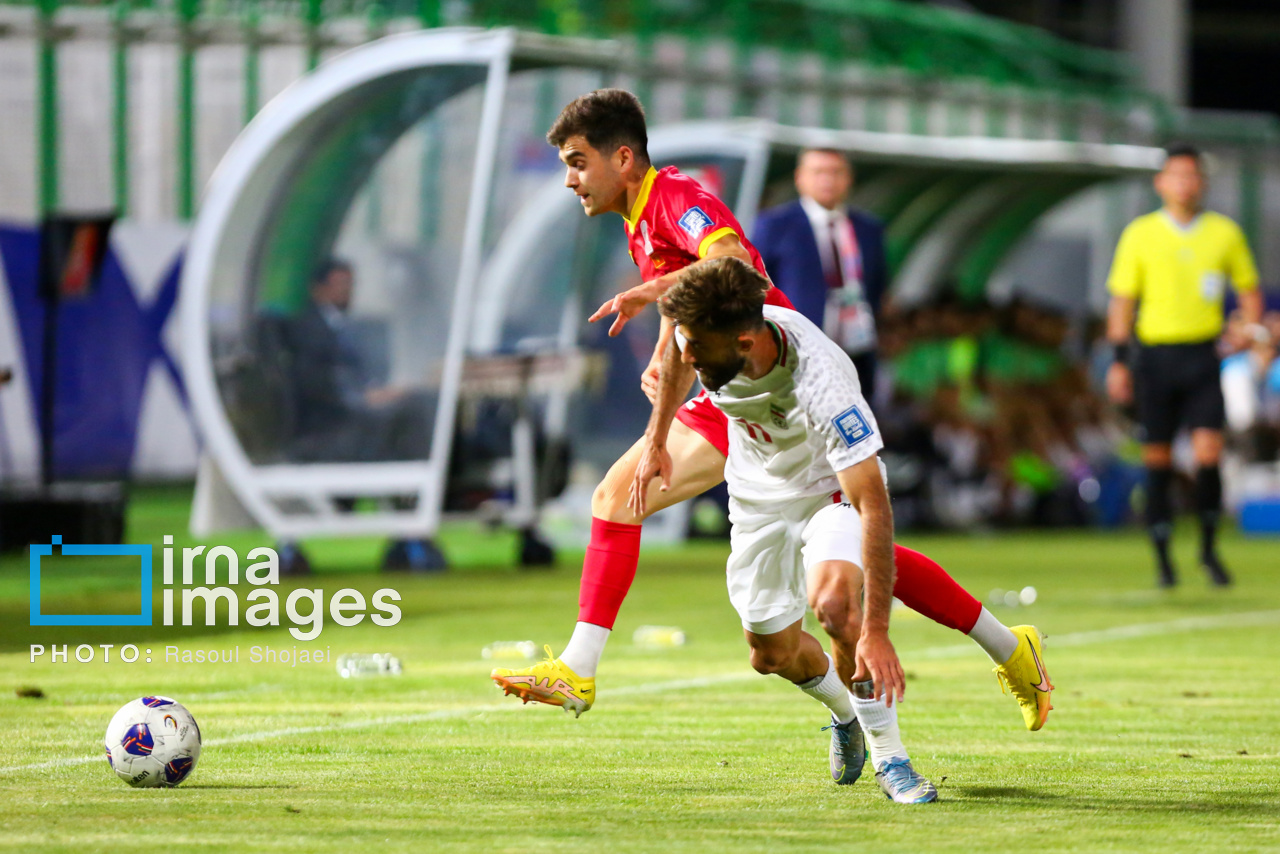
point(1218, 575)
point(293, 560)
point(535, 551)
point(1166, 579)
point(413, 556)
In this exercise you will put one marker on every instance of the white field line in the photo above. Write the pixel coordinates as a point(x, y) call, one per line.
point(439, 714)
point(1117, 633)
point(1120, 633)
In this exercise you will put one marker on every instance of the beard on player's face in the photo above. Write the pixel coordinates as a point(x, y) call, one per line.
point(715, 376)
point(716, 358)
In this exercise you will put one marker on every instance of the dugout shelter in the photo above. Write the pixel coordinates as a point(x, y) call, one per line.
point(418, 158)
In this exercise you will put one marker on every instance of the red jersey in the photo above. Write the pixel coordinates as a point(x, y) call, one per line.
point(673, 223)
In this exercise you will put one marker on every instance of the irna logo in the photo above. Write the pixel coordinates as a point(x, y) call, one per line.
point(304, 608)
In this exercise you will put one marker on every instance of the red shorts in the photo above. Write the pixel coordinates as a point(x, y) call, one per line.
point(702, 417)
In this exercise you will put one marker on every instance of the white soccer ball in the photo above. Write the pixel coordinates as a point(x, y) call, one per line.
point(153, 741)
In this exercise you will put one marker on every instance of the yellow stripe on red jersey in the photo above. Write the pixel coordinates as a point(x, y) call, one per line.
point(673, 223)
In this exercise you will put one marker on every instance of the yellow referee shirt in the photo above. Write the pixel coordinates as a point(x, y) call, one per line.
point(1179, 274)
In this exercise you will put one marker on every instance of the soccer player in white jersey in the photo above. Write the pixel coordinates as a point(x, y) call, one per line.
point(673, 223)
point(807, 496)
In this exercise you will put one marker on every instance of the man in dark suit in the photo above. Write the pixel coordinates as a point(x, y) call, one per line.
point(828, 258)
point(343, 413)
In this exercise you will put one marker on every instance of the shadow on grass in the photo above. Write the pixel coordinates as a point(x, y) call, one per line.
point(1006, 793)
point(245, 786)
point(1245, 802)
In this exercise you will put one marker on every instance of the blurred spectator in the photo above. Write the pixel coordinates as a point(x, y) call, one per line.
point(828, 258)
point(987, 422)
point(1251, 387)
point(342, 412)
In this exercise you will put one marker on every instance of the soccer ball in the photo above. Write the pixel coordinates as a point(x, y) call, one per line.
point(153, 741)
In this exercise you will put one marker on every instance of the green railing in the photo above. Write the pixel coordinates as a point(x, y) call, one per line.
point(920, 55)
point(920, 40)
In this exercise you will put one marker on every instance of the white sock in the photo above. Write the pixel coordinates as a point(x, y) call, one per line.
point(994, 637)
point(582, 655)
point(880, 727)
point(828, 690)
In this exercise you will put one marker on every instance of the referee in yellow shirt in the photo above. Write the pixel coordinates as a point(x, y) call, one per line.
point(1171, 269)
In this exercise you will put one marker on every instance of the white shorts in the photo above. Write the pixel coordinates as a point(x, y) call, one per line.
point(773, 551)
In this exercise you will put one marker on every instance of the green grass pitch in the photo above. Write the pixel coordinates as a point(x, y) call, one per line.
point(1166, 733)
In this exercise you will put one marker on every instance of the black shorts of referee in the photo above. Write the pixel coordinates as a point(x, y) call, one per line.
point(1177, 385)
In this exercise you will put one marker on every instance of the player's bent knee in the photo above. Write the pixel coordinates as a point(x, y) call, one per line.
point(832, 608)
point(834, 588)
point(609, 501)
point(772, 658)
point(610, 505)
point(768, 662)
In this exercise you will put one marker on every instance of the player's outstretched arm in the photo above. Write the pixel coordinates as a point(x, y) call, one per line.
point(674, 380)
point(632, 301)
point(876, 658)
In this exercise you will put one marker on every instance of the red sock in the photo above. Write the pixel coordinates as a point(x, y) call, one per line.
point(607, 571)
point(925, 587)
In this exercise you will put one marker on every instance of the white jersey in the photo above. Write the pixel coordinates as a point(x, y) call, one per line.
point(791, 430)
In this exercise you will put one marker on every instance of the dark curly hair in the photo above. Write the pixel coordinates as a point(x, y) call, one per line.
point(725, 294)
point(608, 119)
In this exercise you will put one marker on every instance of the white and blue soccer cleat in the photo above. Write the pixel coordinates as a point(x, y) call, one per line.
point(848, 751)
point(902, 784)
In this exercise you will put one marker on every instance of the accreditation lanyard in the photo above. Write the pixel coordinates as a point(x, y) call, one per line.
point(848, 319)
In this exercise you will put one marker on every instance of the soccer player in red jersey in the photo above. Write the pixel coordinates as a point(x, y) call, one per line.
point(672, 223)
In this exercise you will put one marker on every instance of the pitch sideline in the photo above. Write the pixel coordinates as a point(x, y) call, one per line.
point(1116, 633)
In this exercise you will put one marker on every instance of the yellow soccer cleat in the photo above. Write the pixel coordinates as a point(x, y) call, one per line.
point(1024, 676)
point(550, 682)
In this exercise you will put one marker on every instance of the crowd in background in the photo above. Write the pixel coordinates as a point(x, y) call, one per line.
point(995, 414)
point(990, 416)
point(1251, 388)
